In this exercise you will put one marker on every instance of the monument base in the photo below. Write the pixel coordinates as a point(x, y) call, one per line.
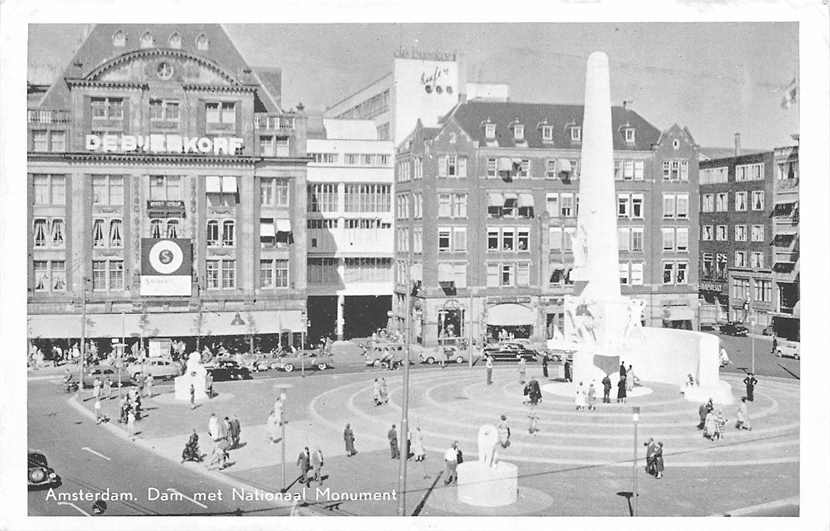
point(182, 387)
point(720, 392)
point(485, 486)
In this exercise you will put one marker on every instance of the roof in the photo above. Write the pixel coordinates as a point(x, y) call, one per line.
point(471, 115)
point(98, 48)
point(707, 153)
point(270, 78)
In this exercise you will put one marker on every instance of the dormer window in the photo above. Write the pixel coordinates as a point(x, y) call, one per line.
point(146, 40)
point(629, 134)
point(175, 41)
point(119, 39)
point(490, 131)
point(547, 133)
point(576, 133)
point(518, 132)
point(675, 144)
point(202, 42)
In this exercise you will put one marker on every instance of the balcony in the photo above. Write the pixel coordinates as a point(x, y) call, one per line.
point(47, 117)
point(274, 122)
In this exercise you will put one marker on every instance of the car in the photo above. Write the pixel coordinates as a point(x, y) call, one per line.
point(159, 368)
point(303, 359)
point(787, 348)
point(40, 473)
point(101, 372)
point(734, 329)
point(224, 370)
point(449, 354)
point(510, 351)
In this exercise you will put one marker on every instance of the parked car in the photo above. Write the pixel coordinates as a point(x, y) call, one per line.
point(386, 355)
point(40, 473)
point(556, 355)
point(159, 368)
point(447, 353)
point(225, 369)
point(102, 372)
point(510, 351)
point(787, 348)
point(734, 329)
point(308, 359)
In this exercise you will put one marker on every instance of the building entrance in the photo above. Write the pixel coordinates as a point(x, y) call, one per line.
point(364, 314)
point(322, 312)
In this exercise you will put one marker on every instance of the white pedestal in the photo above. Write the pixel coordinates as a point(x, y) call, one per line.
point(720, 393)
point(485, 486)
point(183, 383)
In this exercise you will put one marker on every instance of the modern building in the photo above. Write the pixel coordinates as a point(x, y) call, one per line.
point(167, 193)
point(486, 206)
point(736, 204)
point(786, 242)
point(349, 229)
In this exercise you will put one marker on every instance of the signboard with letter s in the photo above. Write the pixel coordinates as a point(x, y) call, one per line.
point(166, 267)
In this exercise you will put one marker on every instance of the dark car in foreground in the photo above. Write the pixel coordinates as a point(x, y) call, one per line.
point(40, 473)
point(225, 370)
point(510, 351)
point(734, 329)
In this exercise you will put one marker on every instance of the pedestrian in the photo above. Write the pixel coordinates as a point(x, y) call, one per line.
point(774, 344)
point(209, 384)
point(192, 397)
point(304, 464)
point(99, 415)
point(131, 424)
point(743, 416)
point(651, 447)
point(451, 461)
point(417, 439)
point(629, 380)
point(504, 431)
point(621, 389)
point(96, 389)
point(148, 386)
point(606, 390)
point(522, 370)
point(136, 406)
point(107, 391)
point(273, 426)
point(622, 369)
point(384, 391)
point(545, 366)
point(235, 431)
point(376, 393)
point(316, 467)
point(750, 381)
point(702, 412)
point(533, 419)
point(592, 397)
point(489, 367)
point(123, 409)
point(580, 399)
point(392, 435)
point(348, 437)
point(568, 377)
point(658, 460)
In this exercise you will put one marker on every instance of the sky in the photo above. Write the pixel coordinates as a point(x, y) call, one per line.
point(714, 78)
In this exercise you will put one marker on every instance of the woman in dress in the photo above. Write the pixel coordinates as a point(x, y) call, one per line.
point(658, 460)
point(592, 397)
point(417, 440)
point(580, 397)
point(621, 390)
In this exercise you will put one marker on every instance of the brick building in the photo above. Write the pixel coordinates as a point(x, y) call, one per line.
point(486, 206)
point(786, 243)
point(164, 132)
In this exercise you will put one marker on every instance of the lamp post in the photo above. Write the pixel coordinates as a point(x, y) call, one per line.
point(635, 417)
point(283, 397)
point(405, 400)
point(470, 334)
point(84, 281)
point(303, 331)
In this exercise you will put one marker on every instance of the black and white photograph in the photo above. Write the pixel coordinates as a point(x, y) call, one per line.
point(482, 266)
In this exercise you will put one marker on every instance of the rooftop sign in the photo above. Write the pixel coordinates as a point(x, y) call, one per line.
point(220, 145)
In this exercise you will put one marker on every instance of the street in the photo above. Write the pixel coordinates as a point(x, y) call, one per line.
point(739, 350)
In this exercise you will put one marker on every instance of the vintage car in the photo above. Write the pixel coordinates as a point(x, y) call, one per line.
point(226, 369)
point(40, 473)
point(303, 359)
point(386, 355)
point(447, 354)
point(159, 368)
point(510, 351)
point(734, 329)
point(787, 348)
point(102, 372)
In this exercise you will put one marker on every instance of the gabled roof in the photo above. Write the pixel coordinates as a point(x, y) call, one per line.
point(98, 48)
point(473, 114)
point(711, 153)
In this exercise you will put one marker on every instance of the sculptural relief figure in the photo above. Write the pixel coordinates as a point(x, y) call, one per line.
point(488, 439)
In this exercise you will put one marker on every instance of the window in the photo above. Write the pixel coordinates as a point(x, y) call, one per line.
point(39, 231)
point(740, 258)
point(555, 238)
point(628, 170)
point(99, 275)
point(492, 239)
point(682, 239)
point(637, 239)
point(172, 228)
point(116, 240)
point(146, 40)
point(523, 240)
point(459, 239)
point(107, 108)
point(490, 131)
point(57, 140)
point(108, 190)
point(322, 271)
point(623, 203)
point(547, 133)
point(165, 188)
point(757, 233)
point(707, 233)
point(787, 170)
point(618, 170)
point(492, 275)
point(322, 198)
point(524, 169)
point(155, 228)
point(212, 233)
point(550, 169)
point(669, 202)
point(566, 205)
point(636, 274)
point(721, 265)
point(576, 134)
point(491, 167)
point(518, 132)
point(116, 274)
point(668, 239)
point(684, 170)
point(749, 172)
point(212, 273)
point(452, 166)
point(444, 205)
point(722, 201)
point(228, 234)
point(221, 115)
point(682, 211)
point(629, 135)
point(552, 205)
point(714, 175)
point(758, 200)
point(523, 274)
point(623, 238)
point(740, 201)
point(668, 273)
point(273, 192)
point(98, 238)
point(721, 234)
point(763, 290)
point(119, 39)
point(507, 239)
point(107, 275)
point(639, 170)
point(175, 41)
point(164, 111)
point(707, 202)
point(637, 206)
point(444, 240)
point(417, 240)
point(568, 239)
point(666, 170)
point(756, 260)
point(507, 278)
point(682, 270)
point(228, 274)
point(707, 265)
point(624, 273)
point(459, 205)
point(57, 235)
point(740, 233)
point(361, 197)
point(49, 189)
point(40, 141)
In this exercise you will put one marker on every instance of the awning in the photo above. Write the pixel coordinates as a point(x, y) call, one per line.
point(505, 164)
point(266, 229)
point(679, 313)
point(510, 315)
point(563, 165)
point(213, 185)
point(525, 200)
point(510, 195)
point(283, 225)
point(495, 199)
point(229, 185)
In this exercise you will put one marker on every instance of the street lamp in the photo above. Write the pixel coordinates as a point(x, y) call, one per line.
point(281, 420)
point(405, 399)
point(635, 417)
point(84, 281)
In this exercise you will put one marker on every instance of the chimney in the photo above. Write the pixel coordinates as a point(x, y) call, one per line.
point(737, 144)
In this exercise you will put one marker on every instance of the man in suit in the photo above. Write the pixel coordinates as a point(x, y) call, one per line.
point(304, 464)
point(348, 437)
point(392, 435)
point(750, 381)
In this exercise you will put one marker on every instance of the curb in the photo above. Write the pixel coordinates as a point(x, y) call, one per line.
point(215, 475)
point(748, 511)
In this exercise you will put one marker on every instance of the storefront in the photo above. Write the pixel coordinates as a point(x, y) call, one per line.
point(510, 320)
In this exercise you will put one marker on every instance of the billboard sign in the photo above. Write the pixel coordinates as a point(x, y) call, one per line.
point(166, 267)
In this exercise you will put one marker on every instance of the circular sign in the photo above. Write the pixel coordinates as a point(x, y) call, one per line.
point(166, 257)
point(164, 70)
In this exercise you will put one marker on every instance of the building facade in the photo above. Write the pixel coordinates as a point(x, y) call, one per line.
point(486, 206)
point(164, 133)
point(349, 229)
point(786, 242)
point(736, 204)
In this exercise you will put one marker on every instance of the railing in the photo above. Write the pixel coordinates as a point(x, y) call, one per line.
point(274, 121)
point(42, 116)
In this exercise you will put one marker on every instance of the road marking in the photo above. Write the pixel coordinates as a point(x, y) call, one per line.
point(75, 506)
point(99, 454)
point(202, 505)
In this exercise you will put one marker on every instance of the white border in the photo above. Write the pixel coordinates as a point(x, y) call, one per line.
point(815, 172)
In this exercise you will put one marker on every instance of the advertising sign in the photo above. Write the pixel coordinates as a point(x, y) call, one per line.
point(166, 267)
